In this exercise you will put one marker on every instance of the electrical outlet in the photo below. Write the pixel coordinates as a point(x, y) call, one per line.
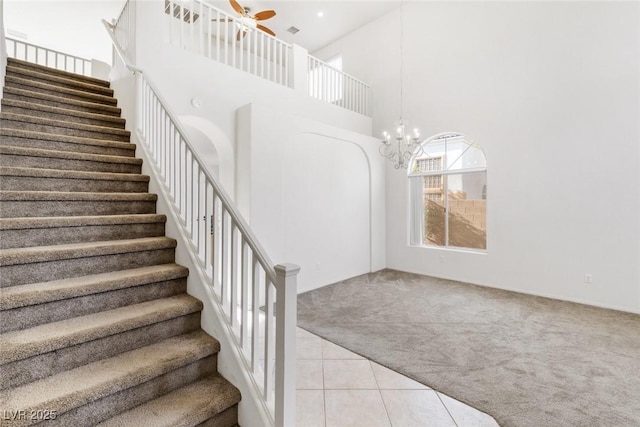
point(588, 278)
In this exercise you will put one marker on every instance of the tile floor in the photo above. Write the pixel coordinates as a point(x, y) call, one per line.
point(338, 388)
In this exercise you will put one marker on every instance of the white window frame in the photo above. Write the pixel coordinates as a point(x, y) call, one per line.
point(416, 187)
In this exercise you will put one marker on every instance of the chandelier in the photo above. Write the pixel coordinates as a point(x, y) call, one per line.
point(403, 145)
point(400, 148)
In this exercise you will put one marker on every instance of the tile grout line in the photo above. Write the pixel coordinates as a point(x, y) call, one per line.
point(384, 404)
point(445, 408)
point(324, 387)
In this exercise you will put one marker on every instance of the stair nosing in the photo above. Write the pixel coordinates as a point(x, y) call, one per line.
point(61, 289)
point(109, 100)
point(12, 195)
point(193, 411)
point(50, 77)
point(62, 111)
point(26, 223)
point(23, 118)
point(70, 139)
point(68, 155)
point(40, 254)
point(28, 64)
point(107, 376)
point(25, 343)
point(71, 174)
point(116, 111)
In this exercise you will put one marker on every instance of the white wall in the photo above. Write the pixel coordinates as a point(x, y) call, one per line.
point(70, 26)
point(315, 194)
point(550, 90)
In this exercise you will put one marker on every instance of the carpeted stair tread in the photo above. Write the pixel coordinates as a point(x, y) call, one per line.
point(34, 86)
point(57, 173)
point(71, 389)
point(17, 204)
point(30, 231)
point(26, 121)
point(76, 143)
point(68, 155)
point(58, 80)
point(30, 255)
point(188, 406)
point(38, 179)
point(36, 109)
point(50, 99)
point(21, 344)
point(67, 196)
point(44, 69)
point(56, 290)
point(65, 174)
point(77, 221)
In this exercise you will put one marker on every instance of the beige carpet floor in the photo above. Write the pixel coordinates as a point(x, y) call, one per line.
point(525, 360)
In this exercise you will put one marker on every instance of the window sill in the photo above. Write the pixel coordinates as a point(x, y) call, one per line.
point(450, 249)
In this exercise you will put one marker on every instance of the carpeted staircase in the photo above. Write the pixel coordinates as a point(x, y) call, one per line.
point(95, 323)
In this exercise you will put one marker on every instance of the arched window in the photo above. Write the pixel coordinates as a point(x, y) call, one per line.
point(448, 202)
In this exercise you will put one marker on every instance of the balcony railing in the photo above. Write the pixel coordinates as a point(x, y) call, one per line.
point(337, 87)
point(210, 32)
point(48, 57)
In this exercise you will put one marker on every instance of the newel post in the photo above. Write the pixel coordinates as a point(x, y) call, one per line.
point(299, 69)
point(286, 320)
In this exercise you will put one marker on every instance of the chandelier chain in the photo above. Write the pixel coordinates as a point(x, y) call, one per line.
point(404, 145)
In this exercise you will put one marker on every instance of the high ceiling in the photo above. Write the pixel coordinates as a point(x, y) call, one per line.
point(339, 17)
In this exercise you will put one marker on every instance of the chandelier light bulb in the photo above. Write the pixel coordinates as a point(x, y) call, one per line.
point(404, 146)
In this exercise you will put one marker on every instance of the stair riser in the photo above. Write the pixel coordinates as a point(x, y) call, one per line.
point(87, 233)
point(228, 418)
point(111, 405)
point(23, 372)
point(36, 208)
point(61, 92)
point(65, 146)
point(66, 164)
point(28, 183)
point(59, 81)
point(95, 121)
point(20, 274)
point(28, 66)
point(88, 108)
point(26, 317)
point(59, 130)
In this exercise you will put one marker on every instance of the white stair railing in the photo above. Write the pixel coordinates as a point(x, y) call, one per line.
point(256, 300)
point(48, 57)
point(124, 30)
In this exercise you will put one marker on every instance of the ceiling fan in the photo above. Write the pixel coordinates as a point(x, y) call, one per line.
point(247, 21)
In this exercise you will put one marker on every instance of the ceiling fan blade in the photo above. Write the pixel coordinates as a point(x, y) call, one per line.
point(236, 6)
point(266, 30)
point(241, 32)
point(265, 14)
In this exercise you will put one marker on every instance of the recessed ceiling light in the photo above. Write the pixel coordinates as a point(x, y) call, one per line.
point(320, 14)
